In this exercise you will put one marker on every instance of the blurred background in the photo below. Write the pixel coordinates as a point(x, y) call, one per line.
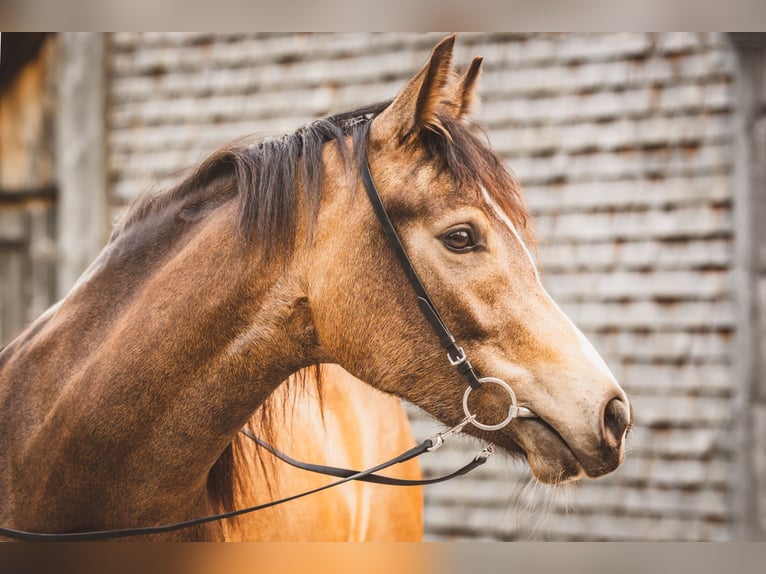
point(643, 160)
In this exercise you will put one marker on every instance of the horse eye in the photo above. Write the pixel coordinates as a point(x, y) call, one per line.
point(459, 240)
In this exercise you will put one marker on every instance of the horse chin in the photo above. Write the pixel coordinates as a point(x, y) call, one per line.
point(549, 457)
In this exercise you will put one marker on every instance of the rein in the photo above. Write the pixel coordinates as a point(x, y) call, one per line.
point(457, 358)
point(427, 445)
point(436, 442)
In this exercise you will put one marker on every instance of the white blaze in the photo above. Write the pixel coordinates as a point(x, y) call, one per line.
point(585, 345)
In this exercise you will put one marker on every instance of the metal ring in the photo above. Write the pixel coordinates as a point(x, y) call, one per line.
point(513, 410)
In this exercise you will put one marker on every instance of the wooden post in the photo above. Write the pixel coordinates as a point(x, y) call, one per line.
point(749, 187)
point(27, 181)
point(80, 154)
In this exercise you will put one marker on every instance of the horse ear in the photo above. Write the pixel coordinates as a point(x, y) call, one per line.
point(414, 108)
point(467, 88)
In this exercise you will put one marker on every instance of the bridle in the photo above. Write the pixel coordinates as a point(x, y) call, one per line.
point(457, 358)
point(455, 353)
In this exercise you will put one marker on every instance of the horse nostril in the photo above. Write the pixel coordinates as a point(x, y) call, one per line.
point(616, 421)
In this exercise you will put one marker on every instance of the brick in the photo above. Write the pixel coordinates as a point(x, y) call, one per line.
point(623, 195)
point(641, 378)
point(678, 443)
point(652, 315)
point(630, 164)
point(314, 102)
point(582, 135)
point(639, 254)
point(501, 524)
point(638, 102)
point(244, 83)
point(538, 81)
point(189, 50)
point(683, 223)
point(636, 286)
point(400, 62)
point(683, 411)
point(672, 346)
point(271, 76)
point(673, 42)
point(539, 49)
point(589, 497)
point(597, 47)
point(677, 474)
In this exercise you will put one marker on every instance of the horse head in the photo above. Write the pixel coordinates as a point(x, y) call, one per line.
point(461, 219)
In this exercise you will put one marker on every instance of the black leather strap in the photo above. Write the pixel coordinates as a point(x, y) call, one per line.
point(454, 351)
point(143, 531)
point(374, 478)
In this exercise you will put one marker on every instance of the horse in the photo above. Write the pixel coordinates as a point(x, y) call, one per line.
point(267, 259)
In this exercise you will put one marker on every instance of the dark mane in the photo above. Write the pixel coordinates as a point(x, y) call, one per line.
point(264, 178)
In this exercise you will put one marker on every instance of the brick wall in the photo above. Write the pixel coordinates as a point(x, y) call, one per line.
point(624, 145)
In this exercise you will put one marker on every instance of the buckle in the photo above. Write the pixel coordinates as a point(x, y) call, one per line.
point(488, 451)
point(460, 358)
point(438, 439)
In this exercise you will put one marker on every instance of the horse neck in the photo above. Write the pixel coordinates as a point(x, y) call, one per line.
point(151, 364)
